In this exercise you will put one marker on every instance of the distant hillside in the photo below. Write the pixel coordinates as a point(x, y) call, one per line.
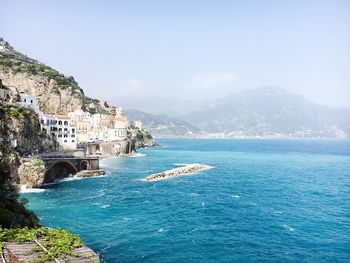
point(270, 111)
point(163, 125)
point(165, 105)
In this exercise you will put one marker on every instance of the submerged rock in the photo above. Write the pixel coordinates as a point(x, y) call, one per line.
point(188, 169)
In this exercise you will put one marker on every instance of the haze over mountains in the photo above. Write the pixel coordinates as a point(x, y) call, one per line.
point(260, 112)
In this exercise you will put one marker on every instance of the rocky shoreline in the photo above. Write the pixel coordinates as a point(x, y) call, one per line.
point(188, 169)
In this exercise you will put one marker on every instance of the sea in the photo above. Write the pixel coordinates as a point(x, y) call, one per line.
point(261, 201)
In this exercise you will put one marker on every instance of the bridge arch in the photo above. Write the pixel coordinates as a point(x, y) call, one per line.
point(58, 170)
point(85, 165)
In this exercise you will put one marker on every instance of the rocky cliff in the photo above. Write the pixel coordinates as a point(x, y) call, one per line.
point(142, 138)
point(20, 135)
point(55, 92)
point(20, 127)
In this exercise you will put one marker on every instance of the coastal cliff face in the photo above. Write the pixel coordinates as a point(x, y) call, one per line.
point(51, 98)
point(20, 127)
point(55, 92)
point(20, 135)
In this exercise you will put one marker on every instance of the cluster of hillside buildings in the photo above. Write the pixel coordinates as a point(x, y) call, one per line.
point(81, 126)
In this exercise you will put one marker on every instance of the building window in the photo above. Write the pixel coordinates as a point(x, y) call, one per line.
point(73, 136)
point(65, 129)
point(31, 101)
point(59, 122)
point(59, 129)
point(73, 141)
point(65, 140)
point(59, 135)
point(73, 130)
point(65, 122)
point(65, 136)
point(25, 100)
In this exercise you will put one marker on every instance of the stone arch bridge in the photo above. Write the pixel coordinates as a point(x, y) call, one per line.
point(61, 167)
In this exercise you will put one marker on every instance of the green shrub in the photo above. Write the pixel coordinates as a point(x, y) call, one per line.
point(56, 241)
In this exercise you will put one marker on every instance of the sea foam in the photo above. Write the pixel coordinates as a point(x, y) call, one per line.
point(137, 155)
point(24, 189)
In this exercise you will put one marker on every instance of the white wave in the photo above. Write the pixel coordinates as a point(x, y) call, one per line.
point(136, 155)
point(24, 189)
point(236, 196)
point(104, 206)
point(288, 228)
point(194, 230)
point(277, 212)
point(73, 178)
point(160, 230)
point(181, 164)
point(105, 161)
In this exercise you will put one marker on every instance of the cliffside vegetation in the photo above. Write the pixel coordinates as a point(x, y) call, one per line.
point(142, 138)
point(94, 106)
point(16, 62)
point(56, 241)
point(20, 133)
point(21, 125)
point(12, 212)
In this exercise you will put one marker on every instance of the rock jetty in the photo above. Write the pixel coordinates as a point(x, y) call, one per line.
point(90, 173)
point(188, 169)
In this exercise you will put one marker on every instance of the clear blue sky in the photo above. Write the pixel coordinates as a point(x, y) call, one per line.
point(193, 49)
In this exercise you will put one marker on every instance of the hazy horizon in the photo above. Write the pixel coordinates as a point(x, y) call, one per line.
point(194, 50)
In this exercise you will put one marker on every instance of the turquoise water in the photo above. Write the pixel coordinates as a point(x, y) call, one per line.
point(263, 201)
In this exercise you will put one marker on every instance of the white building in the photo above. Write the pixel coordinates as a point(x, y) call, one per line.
point(63, 129)
point(138, 124)
point(61, 126)
point(30, 101)
point(79, 114)
point(120, 128)
point(65, 132)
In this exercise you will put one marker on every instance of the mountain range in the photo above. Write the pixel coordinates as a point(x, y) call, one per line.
point(260, 112)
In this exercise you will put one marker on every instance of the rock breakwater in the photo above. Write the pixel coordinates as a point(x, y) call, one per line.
point(90, 173)
point(188, 169)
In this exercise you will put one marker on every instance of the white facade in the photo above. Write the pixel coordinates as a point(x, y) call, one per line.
point(138, 124)
point(79, 114)
point(31, 102)
point(62, 128)
point(96, 120)
point(65, 132)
